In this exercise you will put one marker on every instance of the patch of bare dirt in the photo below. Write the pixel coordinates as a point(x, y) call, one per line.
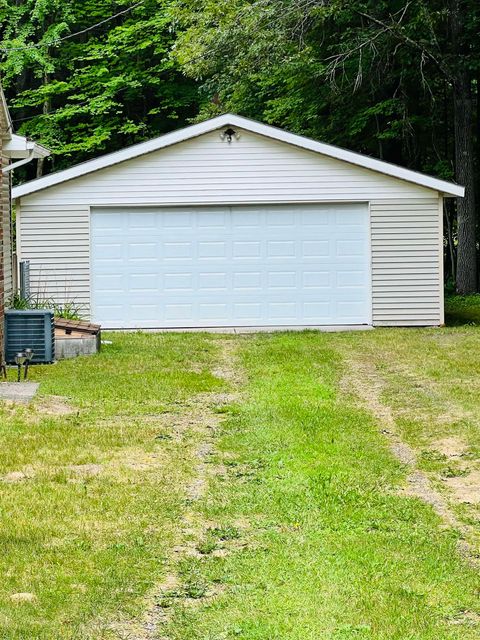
point(145, 462)
point(213, 400)
point(156, 615)
point(470, 618)
point(229, 368)
point(53, 406)
point(465, 489)
point(18, 476)
point(23, 597)
point(451, 447)
point(418, 486)
point(85, 470)
point(402, 451)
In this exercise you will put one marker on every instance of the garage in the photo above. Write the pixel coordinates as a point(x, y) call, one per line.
point(234, 223)
point(231, 266)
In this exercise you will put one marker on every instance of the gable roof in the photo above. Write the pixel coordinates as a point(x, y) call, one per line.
point(187, 133)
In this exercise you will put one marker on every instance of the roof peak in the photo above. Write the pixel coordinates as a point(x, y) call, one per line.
point(253, 126)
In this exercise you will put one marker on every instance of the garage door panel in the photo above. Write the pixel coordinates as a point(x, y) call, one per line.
point(174, 311)
point(213, 282)
point(208, 250)
point(247, 280)
point(282, 280)
point(317, 309)
point(317, 279)
point(316, 248)
point(141, 223)
point(248, 311)
point(212, 220)
point(178, 282)
point(214, 311)
point(317, 224)
point(227, 266)
point(246, 249)
point(282, 312)
point(144, 282)
point(245, 221)
point(108, 250)
point(349, 248)
point(109, 284)
point(283, 219)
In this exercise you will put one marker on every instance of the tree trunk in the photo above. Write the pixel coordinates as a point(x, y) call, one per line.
point(447, 209)
point(477, 169)
point(464, 155)
point(46, 111)
point(465, 174)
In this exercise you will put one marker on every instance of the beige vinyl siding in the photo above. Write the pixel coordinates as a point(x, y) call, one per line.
point(405, 218)
point(56, 241)
point(406, 262)
point(207, 170)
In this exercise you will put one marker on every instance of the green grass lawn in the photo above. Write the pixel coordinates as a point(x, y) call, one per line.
point(331, 550)
point(89, 529)
point(302, 532)
point(460, 310)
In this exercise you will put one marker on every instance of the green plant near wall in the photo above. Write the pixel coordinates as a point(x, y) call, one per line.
point(69, 310)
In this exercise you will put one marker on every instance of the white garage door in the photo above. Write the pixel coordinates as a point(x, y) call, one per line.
point(273, 265)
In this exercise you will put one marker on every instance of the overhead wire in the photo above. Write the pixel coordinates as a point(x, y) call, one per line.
point(57, 41)
point(198, 58)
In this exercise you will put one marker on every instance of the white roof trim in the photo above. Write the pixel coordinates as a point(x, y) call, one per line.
point(446, 188)
point(20, 147)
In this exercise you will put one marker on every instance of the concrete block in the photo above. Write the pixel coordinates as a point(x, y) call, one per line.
point(73, 347)
point(18, 391)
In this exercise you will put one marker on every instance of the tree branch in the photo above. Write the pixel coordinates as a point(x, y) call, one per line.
point(397, 32)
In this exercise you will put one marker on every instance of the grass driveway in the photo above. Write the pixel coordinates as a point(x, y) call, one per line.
point(284, 486)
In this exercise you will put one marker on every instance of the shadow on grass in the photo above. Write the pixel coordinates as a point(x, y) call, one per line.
point(462, 310)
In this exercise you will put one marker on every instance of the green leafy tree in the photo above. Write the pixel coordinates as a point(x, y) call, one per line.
point(99, 90)
point(397, 79)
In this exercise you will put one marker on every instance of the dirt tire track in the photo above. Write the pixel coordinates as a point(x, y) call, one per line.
point(204, 421)
point(367, 385)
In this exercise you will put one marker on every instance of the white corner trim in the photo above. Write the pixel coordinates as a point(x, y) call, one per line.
point(187, 133)
point(441, 265)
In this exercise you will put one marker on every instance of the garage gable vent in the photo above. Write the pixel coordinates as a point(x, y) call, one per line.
point(29, 329)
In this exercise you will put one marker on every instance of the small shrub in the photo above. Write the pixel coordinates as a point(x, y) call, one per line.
point(225, 533)
point(454, 472)
point(18, 302)
point(69, 310)
point(195, 588)
point(207, 546)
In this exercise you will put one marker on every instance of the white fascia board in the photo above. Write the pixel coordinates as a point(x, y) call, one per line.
point(116, 157)
point(19, 147)
point(187, 133)
point(367, 162)
point(40, 151)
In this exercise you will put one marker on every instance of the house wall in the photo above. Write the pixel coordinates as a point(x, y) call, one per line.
point(6, 271)
point(2, 251)
point(7, 233)
point(406, 229)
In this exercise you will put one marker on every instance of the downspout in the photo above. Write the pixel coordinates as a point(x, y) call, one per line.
point(19, 163)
